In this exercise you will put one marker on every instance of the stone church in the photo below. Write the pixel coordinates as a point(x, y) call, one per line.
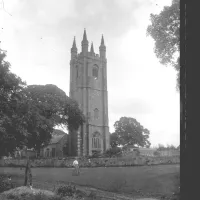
point(88, 86)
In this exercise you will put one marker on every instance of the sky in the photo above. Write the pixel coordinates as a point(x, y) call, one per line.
point(38, 36)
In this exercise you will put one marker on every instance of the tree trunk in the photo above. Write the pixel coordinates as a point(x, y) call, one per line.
point(28, 174)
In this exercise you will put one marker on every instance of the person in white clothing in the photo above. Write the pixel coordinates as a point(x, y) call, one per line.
point(89, 161)
point(76, 166)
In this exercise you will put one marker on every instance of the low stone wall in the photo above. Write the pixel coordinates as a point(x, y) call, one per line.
point(95, 162)
point(163, 160)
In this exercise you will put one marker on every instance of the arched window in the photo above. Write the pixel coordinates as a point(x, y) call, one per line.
point(47, 153)
point(96, 140)
point(96, 113)
point(95, 71)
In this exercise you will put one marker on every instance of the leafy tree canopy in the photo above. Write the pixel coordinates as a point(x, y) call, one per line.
point(167, 147)
point(49, 107)
point(28, 114)
point(113, 151)
point(128, 131)
point(11, 125)
point(165, 30)
point(114, 140)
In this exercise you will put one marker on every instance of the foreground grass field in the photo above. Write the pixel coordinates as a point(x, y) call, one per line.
point(162, 180)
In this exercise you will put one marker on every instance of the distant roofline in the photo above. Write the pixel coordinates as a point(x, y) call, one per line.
point(57, 140)
point(56, 129)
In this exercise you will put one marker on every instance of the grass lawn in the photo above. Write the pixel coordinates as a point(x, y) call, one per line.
point(156, 180)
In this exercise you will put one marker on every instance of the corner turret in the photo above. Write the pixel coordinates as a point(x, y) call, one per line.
point(84, 43)
point(74, 49)
point(92, 50)
point(102, 48)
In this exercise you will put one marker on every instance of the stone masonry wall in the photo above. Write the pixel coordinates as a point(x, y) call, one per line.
point(95, 162)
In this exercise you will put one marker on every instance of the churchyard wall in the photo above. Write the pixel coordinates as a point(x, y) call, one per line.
point(94, 162)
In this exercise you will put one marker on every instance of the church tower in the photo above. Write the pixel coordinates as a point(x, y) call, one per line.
point(88, 86)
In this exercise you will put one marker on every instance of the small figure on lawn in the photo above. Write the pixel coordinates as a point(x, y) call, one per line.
point(10, 181)
point(76, 166)
point(89, 161)
point(9, 178)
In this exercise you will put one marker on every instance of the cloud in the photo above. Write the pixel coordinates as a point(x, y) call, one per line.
point(57, 20)
point(39, 36)
point(127, 107)
point(106, 15)
point(98, 15)
point(43, 12)
point(40, 28)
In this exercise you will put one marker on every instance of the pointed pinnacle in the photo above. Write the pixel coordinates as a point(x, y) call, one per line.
point(84, 36)
point(74, 43)
point(102, 40)
point(92, 48)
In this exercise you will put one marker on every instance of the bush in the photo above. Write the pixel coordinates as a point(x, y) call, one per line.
point(92, 195)
point(29, 196)
point(156, 153)
point(41, 196)
point(117, 185)
point(137, 152)
point(5, 184)
point(66, 190)
point(114, 151)
point(96, 154)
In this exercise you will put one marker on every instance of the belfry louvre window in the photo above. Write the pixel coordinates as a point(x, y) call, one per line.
point(96, 143)
point(95, 71)
point(96, 140)
point(96, 113)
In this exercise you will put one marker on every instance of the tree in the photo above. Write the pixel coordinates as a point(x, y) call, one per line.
point(48, 106)
point(12, 132)
point(156, 153)
point(167, 147)
point(171, 147)
point(114, 140)
point(165, 30)
point(28, 173)
point(161, 147)
point(128, 131)
point(28, 114)
point(113, 151)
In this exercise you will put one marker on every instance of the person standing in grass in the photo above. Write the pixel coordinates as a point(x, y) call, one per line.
point(76, 166)
point(89, 161)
